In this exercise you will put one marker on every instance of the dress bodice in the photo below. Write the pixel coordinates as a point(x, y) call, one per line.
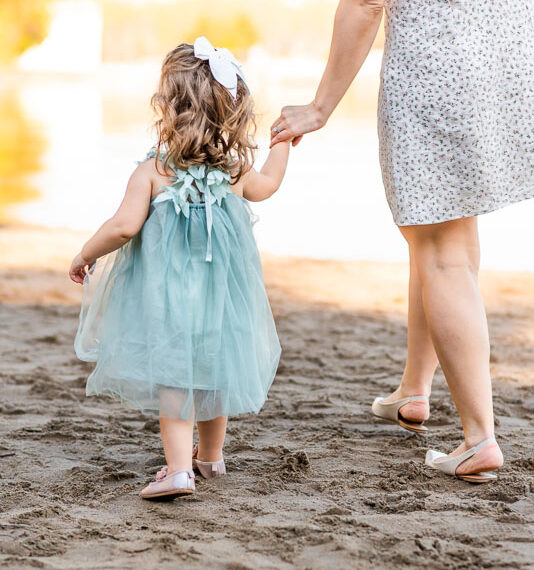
point(196, 185)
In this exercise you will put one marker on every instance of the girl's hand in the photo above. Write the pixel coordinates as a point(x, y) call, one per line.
point(295, 121)
point(78, 268)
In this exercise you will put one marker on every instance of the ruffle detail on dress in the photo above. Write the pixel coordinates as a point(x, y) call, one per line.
point(196, 185)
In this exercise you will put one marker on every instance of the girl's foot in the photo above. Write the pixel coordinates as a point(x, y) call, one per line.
point(415, 412)
point(207, 469)
point(170, 486)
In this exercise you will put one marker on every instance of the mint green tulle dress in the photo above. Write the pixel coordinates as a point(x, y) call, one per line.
point(178, 320)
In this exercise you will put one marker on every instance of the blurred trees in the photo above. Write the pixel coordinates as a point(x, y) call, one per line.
point(235, 31)
point(149, 29)
point(134, 30)
point(24, 23)
point(21, 149)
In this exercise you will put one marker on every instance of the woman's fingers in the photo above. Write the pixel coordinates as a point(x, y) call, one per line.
point(278, 126)
point(277, 123)
point(282, 136)
point(295, 121)
point(275, 127)
point(280, 131)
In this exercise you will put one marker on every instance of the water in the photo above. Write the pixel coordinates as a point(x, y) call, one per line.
point(69, 142)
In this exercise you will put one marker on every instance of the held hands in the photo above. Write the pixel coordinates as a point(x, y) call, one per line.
point(79, 267)
point(294, 122)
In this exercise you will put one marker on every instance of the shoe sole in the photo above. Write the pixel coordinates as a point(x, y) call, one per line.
point(477, 478)
point(408, 426)
point(413, 427)
point(168, 495)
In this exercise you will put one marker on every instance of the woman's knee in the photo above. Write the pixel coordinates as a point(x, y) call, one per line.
point(444, 248)
point(373, 5)
point(444, 260)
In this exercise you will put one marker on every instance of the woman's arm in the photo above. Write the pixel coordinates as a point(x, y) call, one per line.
point(258, 186)
point(119, 229)
point(355, 27)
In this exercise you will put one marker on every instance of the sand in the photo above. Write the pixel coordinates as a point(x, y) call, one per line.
point(314, 480)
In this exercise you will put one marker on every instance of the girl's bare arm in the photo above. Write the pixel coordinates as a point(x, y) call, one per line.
point(119, 229)
point(261, 185)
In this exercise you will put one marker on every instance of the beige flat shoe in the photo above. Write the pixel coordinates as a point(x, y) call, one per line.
point(390, 411)
point(434, 459)
point(170, 486)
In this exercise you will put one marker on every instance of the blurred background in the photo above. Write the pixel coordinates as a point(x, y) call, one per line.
point(76, 79)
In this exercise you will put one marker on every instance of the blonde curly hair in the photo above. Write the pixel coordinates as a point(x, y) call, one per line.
point(199, 122)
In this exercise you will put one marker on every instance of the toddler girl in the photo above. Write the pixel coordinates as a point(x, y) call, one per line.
point(178, 320)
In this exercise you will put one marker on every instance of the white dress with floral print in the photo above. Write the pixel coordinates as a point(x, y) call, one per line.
point(456, 107)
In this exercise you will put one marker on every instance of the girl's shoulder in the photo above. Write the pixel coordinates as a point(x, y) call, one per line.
point(154, 161)
point(238, 187)
point(153, 167)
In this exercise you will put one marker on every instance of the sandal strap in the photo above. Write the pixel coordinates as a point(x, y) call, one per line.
point(390, 410)
point(450, 465)
point(209, 469)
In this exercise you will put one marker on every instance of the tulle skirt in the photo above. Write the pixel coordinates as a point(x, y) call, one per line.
point(174, 334)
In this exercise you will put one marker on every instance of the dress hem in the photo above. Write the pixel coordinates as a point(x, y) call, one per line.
point(471, 214)
point(114, 395)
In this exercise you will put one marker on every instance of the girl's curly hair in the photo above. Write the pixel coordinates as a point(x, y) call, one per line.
point(198, 120)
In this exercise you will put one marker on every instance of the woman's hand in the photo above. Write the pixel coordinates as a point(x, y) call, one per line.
point(355, 27)
point(78, 268)
point(295, 121)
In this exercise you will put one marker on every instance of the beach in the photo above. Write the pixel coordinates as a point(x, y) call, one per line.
point(314, 481)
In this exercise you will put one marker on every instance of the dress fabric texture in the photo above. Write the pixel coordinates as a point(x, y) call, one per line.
point(178, 320)
point(456, 107)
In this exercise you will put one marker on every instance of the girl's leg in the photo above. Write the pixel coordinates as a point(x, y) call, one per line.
point(211, 439)
point(177, 438)
point(176, 434)
point(422, 360)
point(447, 259)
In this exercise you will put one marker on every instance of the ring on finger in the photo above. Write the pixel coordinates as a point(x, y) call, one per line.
point(276, 130)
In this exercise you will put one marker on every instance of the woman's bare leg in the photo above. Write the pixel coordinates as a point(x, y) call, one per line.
point(447, 258)
point(211, 439)
point(422, 360)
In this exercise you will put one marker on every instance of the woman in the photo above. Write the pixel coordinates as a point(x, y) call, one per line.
point(456, 140)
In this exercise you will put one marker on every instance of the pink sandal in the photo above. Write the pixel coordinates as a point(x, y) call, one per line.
point(208, 469)
point(170, 485)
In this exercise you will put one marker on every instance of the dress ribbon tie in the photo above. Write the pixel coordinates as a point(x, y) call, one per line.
point(209, 220)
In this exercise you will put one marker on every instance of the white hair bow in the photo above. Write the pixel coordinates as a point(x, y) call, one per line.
point(224, 66)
